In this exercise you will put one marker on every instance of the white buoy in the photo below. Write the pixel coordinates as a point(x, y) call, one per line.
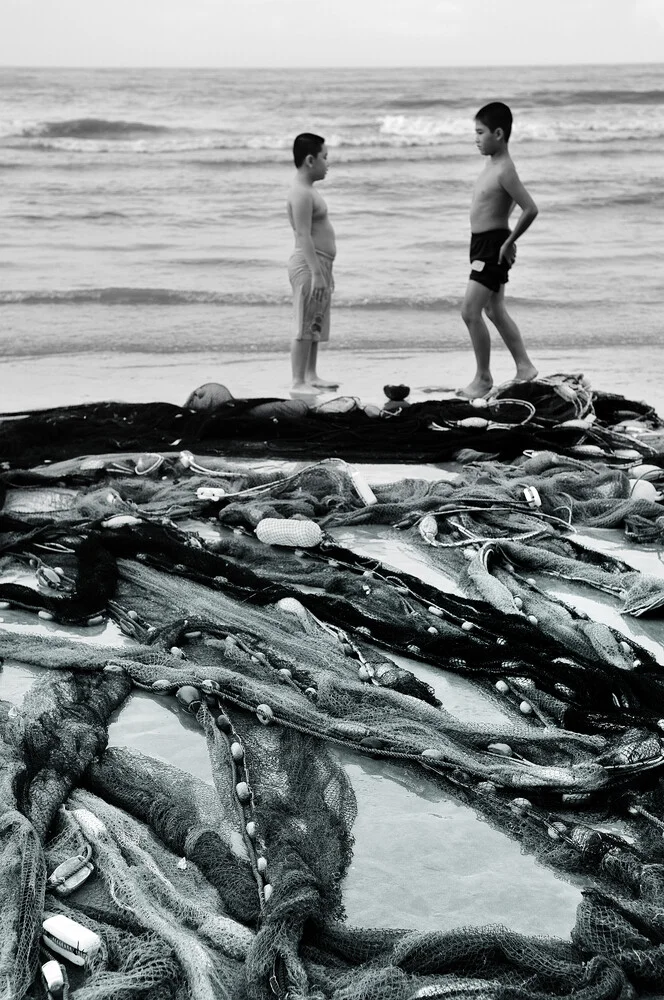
point(291, 532)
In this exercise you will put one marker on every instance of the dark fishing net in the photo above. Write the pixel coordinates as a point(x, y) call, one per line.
point(545, 413)
point(233, 889)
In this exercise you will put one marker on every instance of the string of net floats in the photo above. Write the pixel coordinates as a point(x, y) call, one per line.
point(268, 766)
point(560, 412)
point(278, 654)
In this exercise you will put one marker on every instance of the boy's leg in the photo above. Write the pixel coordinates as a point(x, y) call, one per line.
point(311, 376)
point(475, 300)
point(511, 335)
point(300, 353)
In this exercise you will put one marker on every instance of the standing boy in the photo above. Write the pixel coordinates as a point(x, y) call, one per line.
point(493, 248)
point(310, 265)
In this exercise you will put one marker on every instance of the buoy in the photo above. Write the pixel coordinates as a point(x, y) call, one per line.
point(292, 606)
point(432, 754)
point(223, 723)
point(53, 979)
point(261, 864)
point(267, 891)
point(364, 673)
point(237, 751)
point(46, 615)
point(526, 708)
point(68, 938)
point(251, 829)
point(292, 532)
point(120, 521)
point(473, 423)
point(642, 489)
point(264, 714)
point(48, 576)
point(520, 805)
point(467, 626)
point(209, 686)
point(160, 685)
point(504, 749)
point(502, 686)
point(189, 697)
point(428, 528)
point(243, 791)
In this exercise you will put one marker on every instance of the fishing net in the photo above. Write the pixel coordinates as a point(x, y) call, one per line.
point(554, 412)
point(281, 655)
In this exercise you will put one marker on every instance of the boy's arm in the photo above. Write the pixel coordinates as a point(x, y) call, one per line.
point(515, 189)
point(303, 205)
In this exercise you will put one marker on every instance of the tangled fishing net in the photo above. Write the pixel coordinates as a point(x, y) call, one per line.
point(278, 642)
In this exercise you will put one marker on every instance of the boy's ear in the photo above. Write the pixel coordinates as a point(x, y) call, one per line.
point(309, 160)
point(499, 133)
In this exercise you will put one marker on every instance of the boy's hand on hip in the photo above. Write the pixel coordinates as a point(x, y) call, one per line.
point(507, 254)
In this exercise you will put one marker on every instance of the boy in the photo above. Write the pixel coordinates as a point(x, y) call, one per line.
point(310, 265)
point(493, 248)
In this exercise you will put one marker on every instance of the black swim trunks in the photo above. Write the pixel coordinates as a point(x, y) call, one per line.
point(484, 250)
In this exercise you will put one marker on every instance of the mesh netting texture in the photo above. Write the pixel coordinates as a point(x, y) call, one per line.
point(281, 653)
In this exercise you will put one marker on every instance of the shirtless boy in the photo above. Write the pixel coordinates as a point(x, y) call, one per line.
point(493, 248)
point(310, 265)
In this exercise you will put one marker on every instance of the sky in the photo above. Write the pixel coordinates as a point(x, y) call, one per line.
point(329, 33)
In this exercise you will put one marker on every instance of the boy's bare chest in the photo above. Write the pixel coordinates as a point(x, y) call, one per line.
point(488, 187)
point(319, 208)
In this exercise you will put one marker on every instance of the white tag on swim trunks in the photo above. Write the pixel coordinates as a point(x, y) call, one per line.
point(477, 265)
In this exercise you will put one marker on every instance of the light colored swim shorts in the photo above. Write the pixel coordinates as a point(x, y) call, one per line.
point(312, 318)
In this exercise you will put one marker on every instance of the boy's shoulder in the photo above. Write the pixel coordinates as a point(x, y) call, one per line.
point(300, 192)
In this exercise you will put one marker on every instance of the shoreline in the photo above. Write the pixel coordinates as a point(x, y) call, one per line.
point(31, 383)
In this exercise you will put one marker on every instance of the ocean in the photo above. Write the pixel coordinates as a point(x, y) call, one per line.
point(144, 210)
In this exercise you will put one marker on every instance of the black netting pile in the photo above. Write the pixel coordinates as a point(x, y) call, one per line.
point(233, 890)
point(559, 412)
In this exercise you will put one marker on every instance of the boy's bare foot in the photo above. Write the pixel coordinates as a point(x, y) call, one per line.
point(526, 373)
point(322, 383)
point(304, 389)
point(478, 388)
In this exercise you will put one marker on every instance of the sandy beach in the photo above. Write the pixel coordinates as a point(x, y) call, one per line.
point(63, 380)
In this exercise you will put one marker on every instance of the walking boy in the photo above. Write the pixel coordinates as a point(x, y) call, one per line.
point(310, 265)
point(493, 248)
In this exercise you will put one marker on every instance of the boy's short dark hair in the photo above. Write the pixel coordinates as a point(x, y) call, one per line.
point(306, 144)
point(496, 115)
